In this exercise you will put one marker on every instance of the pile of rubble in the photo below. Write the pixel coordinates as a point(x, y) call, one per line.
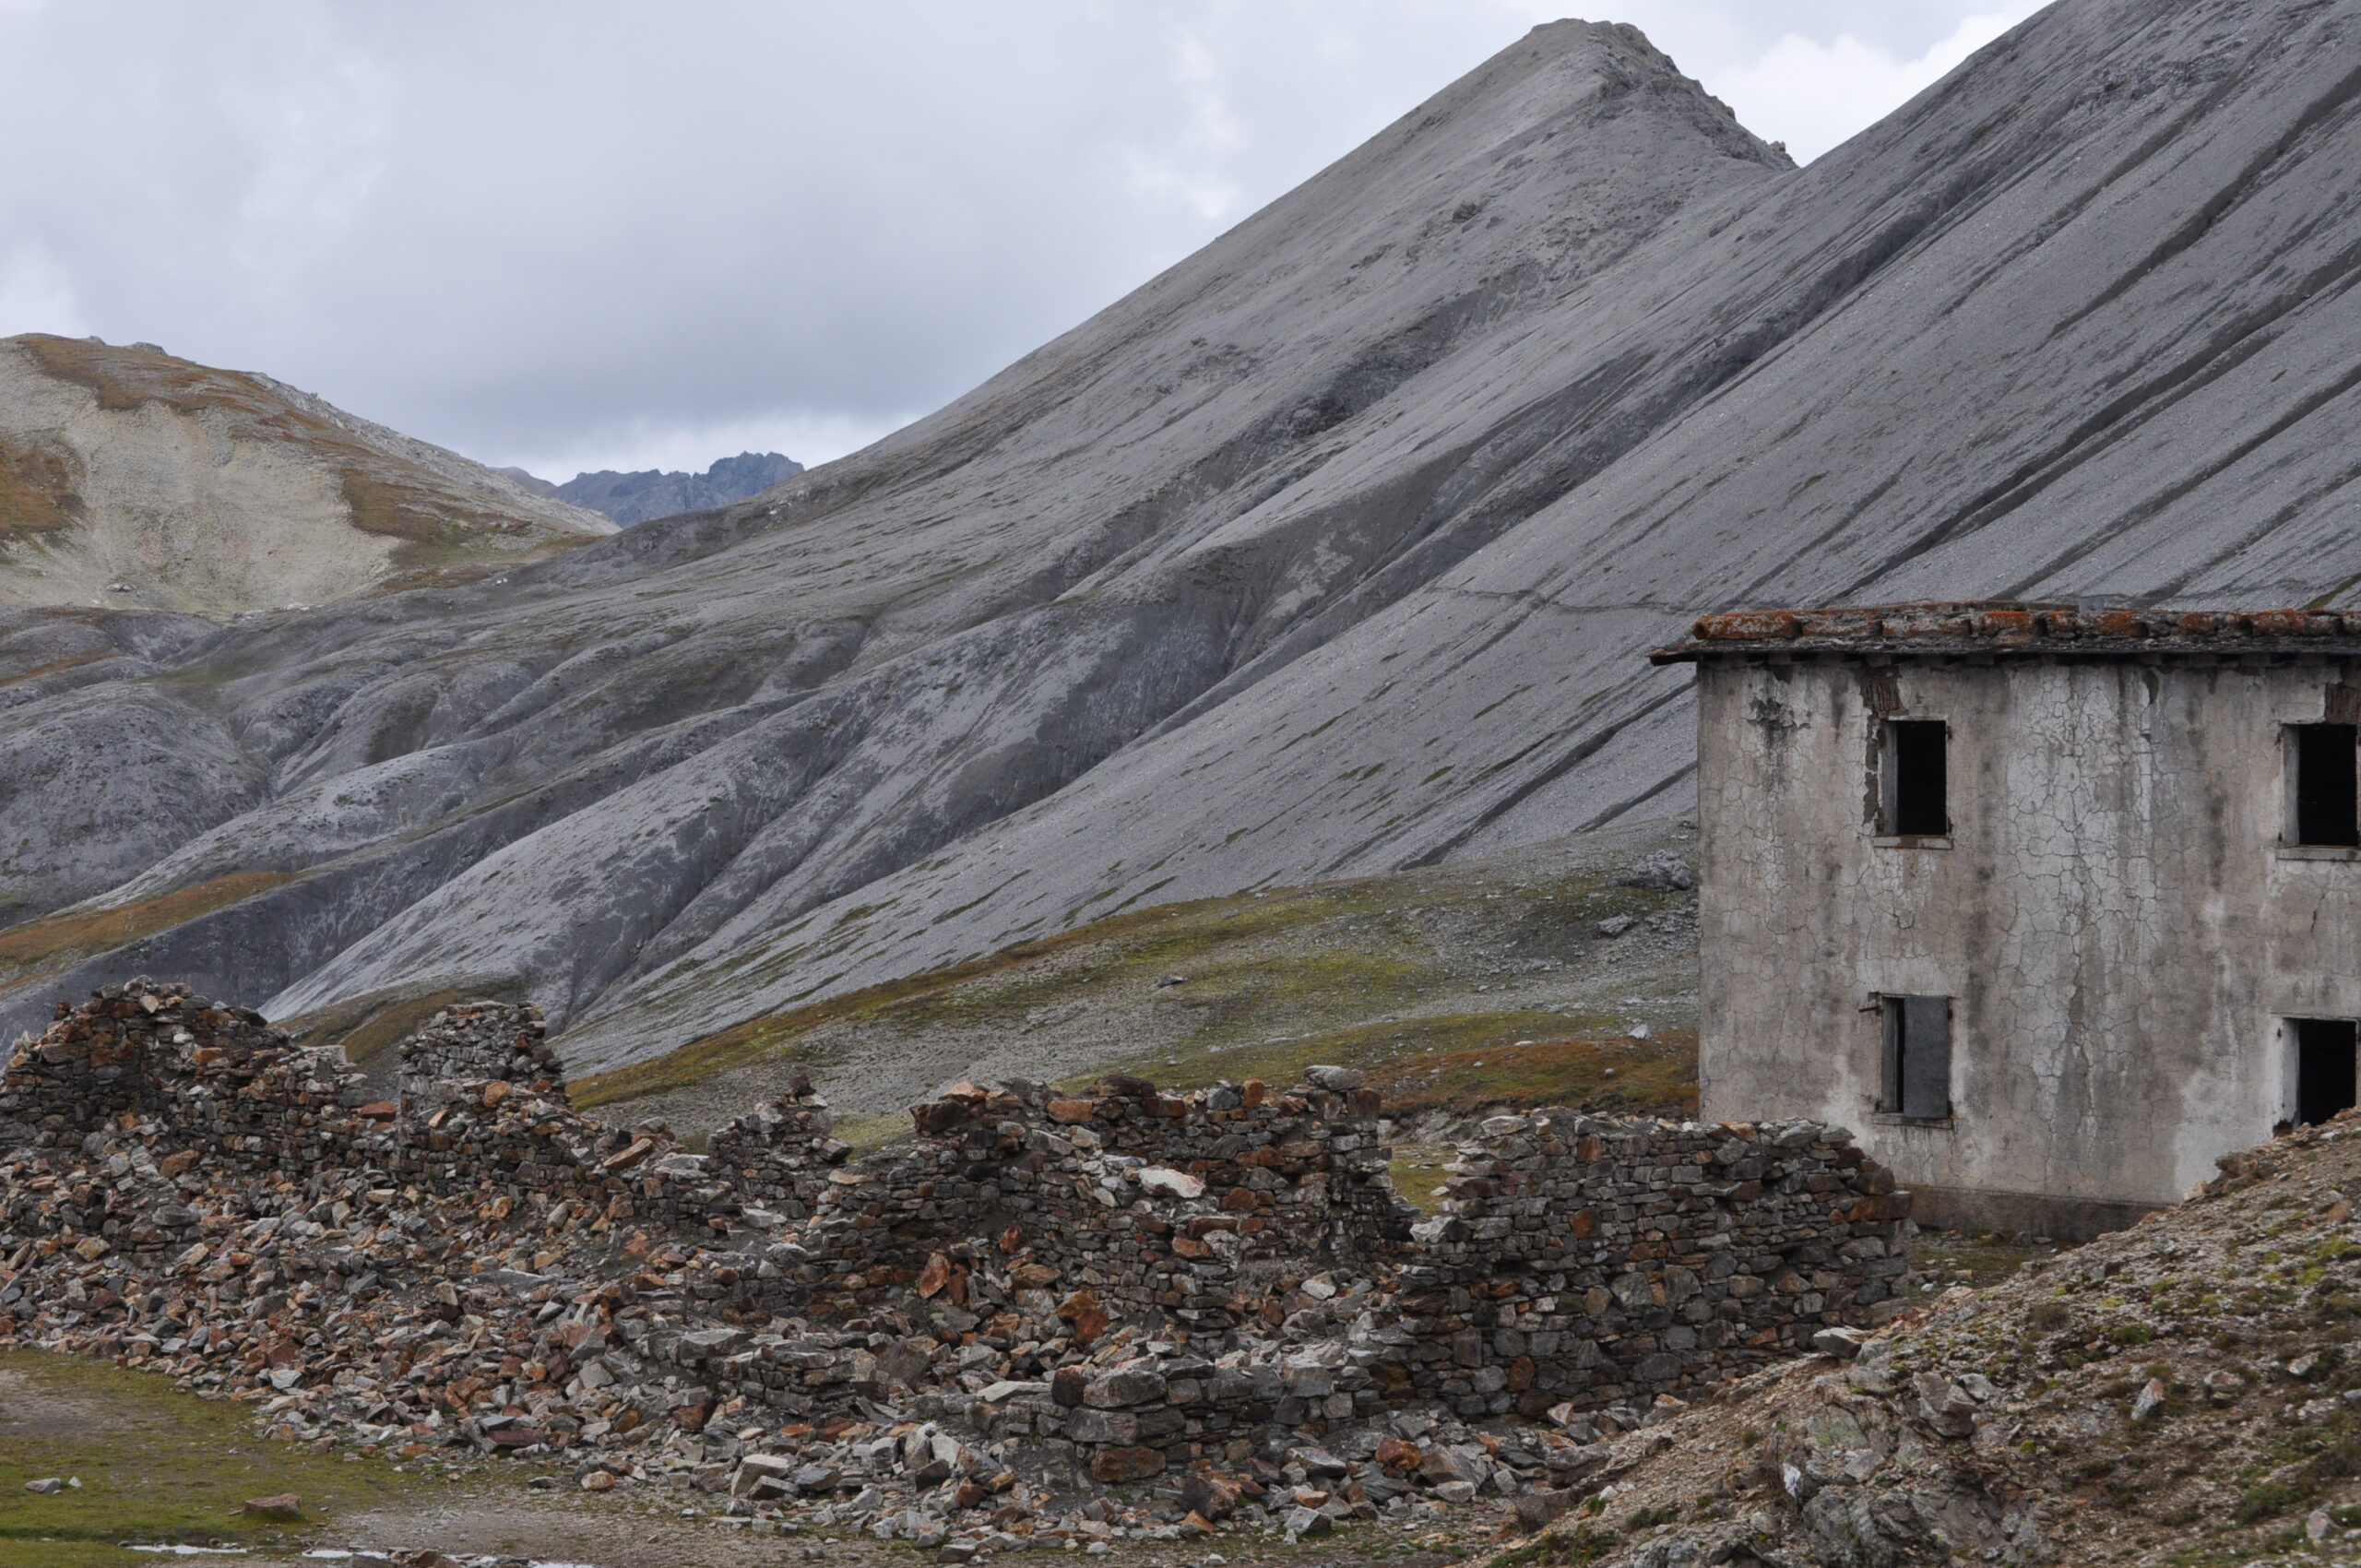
point(965, 1340)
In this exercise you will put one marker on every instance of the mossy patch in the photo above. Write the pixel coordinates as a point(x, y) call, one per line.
point(40, 491)
point(866, 1134)
point(1463, 1063)
point(157, 1465)
point(1612, 1075)
point(1418, 1174)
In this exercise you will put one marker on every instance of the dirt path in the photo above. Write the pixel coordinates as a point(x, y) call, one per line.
point(607, 1535)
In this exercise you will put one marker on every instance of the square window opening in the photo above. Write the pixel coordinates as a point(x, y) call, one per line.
point(2324, 806)
point(2325, 1076)
point(1913, 781)
point(1918, 1077)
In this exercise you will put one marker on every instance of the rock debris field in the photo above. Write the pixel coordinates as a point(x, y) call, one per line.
point(1046, 1323)
point(2185, 1392)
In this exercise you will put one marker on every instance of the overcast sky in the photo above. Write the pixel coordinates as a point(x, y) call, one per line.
point(578, 233)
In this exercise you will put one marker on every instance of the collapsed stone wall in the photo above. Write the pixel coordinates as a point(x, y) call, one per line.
point(1173, 1209)
point(479, 1042)
point(171, 1080)
point(776, 1158)
point(1175, 1274)
point(1584, 1260)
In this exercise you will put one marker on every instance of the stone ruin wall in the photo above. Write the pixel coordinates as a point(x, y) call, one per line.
point(197, 1082)
point(477, 1042)
point(1593, 1261)
point(1169, 1210)
point(208, 1077)
point(1578, 1261)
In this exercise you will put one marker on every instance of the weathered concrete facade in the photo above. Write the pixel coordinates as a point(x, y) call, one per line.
point(2117, 915)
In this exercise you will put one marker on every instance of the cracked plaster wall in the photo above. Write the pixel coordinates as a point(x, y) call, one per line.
point(2115, 918)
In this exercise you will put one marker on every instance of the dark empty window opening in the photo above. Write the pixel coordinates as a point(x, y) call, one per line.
point(2325, 800)
point(1918, 803)
point(1917, 1078)
point(2324, 1067)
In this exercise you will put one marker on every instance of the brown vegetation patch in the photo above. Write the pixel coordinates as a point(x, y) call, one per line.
point(402, 511)
point(51, 668)
point(125, 379)
point(1609, 1075)
point(38, 491)
point(57, 940)
point(391, 510)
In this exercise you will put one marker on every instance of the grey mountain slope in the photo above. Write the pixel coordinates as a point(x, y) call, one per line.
point(2078, 322)
point(1332, 549)
point(1120, 445)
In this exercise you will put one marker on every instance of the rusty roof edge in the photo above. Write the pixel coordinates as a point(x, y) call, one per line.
point(1949, 627)
point(1890, 649)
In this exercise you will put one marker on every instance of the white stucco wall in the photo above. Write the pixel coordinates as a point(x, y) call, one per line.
point(2114, 916)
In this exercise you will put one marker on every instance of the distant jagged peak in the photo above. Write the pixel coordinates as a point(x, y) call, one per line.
point(131, 478)
point(638, 496)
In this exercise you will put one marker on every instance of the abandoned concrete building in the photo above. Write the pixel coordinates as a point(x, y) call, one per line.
point(2053, 906)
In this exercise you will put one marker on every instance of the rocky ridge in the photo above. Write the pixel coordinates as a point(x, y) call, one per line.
point(1041, 1299)
point(644, 493)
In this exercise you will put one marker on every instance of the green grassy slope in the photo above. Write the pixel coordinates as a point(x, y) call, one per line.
point(1458, 987)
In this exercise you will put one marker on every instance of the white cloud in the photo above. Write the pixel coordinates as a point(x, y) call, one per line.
point(36, 295)
point(1191, 158)
point(810, 439)
point(1813, 94)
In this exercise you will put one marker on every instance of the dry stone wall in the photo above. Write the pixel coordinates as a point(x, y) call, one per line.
point(479, 1042)
point(213, 1079)
point(1594, 1261)
point(776, 1158)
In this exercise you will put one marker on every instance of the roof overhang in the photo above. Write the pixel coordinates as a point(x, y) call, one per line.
point(1985, 632)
